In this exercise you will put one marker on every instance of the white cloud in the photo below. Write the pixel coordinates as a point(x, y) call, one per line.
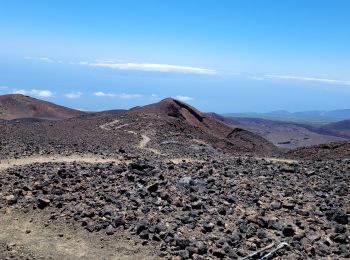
point(41, 93)
point(34, 92)
point(153, 67)
point(122, 96)
point(102, 94)
point(3, 87)
point(184, 98)
point(128, 96)
point(121, 65)
point(44, 59)
point(20, 91)
point(108, 60)
point(310, 79)
point(74, 95)
point(258, 78)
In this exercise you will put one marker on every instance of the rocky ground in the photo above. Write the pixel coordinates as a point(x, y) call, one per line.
point(46, 235)
point(137, 186)
point(221, 208)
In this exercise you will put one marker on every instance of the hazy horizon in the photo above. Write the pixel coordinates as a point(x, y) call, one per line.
point(225, 57)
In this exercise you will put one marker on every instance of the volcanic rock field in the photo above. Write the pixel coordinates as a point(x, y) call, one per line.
point(165, 182)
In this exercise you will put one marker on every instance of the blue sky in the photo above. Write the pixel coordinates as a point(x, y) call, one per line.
point(222, 56)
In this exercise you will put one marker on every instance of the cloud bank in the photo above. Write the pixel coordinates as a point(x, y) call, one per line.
point(309, 79)
point(154, 67)
point(150, 67)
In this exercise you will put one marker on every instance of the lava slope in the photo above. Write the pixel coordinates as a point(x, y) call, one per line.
point(168, 179)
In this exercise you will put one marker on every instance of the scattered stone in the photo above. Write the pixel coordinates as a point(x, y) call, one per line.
point(11, 199)
point(208, 227)
point(43, 202)
point(276, 204)
point(153, 187)
point(110, 230)
point(207, 209)
point(288, 231)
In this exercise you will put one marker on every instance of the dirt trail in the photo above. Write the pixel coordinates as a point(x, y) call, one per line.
point(108, 125)
point(283, 160)
point(37, 236)
point(9, 163)
point(120, 126)
point(145, 140)
point(143, 143)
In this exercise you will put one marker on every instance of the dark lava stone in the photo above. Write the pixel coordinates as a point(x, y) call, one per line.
point(219, 253)
point(288, 231)
point(90, 227)
point(202, 249)
point(341, 239)
point(109, 230)
point(182, 242)
point(208, 227)
point(43, 203)
point(341, 217)
point(222, 211)
point(323, 248)
point(144, 234)
point(184, 254)
point(288, 205)
point(276, 204)
point(118, 221)
point(153, 187)
point(192, 250)
point(140, 227)
point(273, 224)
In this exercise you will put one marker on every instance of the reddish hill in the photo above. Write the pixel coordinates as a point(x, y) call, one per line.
point(336, 150)
point(214, 131)
point(16, 106)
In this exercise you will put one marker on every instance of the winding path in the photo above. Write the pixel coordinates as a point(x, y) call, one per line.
point(145, 140)
point(10, 163)
point(108, 125)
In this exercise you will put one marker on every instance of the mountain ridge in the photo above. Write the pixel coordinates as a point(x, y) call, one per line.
point(211, 128)
point(315, 117)
point(17, 106)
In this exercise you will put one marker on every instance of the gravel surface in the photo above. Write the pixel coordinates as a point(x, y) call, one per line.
point(176, 184)
point(222, 208)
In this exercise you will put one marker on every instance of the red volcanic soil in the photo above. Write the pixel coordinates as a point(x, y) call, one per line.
point(212, 129)
point(16, 106)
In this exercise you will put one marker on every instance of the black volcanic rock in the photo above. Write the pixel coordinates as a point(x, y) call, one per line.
point(210, 202)
point(205, 223)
